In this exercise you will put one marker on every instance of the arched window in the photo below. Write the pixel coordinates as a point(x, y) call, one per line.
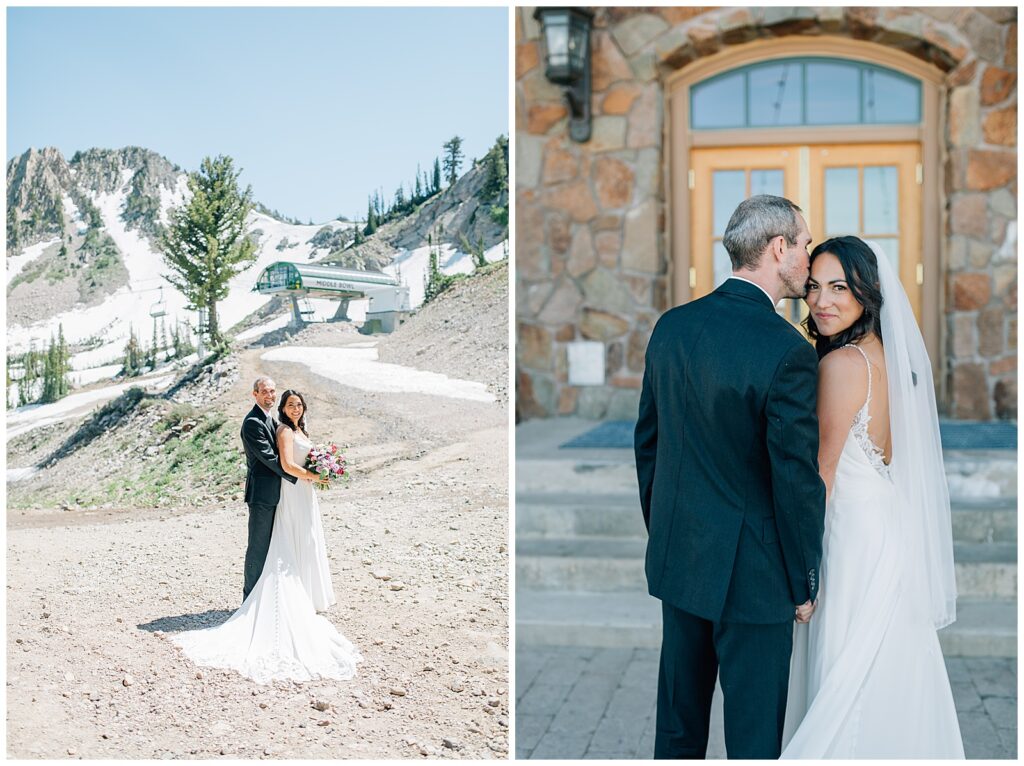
point(805, 91)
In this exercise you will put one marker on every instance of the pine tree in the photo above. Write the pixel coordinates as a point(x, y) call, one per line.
point(371, 218)
point(417, 194)
point(452, 159)
point(436, 185)
point(496, 183)
point(205, 244)
point(151, 353)
point(54, 375)
point(163, 339)
point(27, 384)
point(186, 341)
point(176, 342)
point(63, 364)
point(132, 355)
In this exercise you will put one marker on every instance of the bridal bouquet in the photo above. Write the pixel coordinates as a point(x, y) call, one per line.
point(328, 462)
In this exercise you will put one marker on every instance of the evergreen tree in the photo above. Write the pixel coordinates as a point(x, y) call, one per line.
point(64, 358)
point(132, 355)
point(49, 358)
point(55, 370)
point(152, 351)
point(436, 185)
point(187, 346)
point(205, 243)
point(176, 342)
point(163, 340)
point(452, 159)
point(417, 194)
point(496, 183)
point(436, 281)
point(33, 370)
point(371, 218)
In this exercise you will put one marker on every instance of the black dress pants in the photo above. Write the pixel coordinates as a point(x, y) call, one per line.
point(261, 525)
point(753, 662)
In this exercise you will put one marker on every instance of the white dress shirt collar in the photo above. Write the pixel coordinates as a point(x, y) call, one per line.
point(755, 284)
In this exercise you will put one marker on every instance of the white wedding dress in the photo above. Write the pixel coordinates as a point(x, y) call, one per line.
point(868, 678)
point(276, 634)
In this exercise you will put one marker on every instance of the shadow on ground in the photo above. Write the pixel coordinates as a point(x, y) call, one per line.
point(208, 619)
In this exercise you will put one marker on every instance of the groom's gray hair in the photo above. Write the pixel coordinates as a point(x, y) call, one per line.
point(755, 223)
point(261, 380)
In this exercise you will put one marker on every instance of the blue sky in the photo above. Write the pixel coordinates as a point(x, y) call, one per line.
point(318, 106)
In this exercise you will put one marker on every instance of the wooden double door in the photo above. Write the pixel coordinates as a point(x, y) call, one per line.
point(869, 190)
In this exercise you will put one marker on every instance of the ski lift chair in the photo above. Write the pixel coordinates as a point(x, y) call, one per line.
point(159, 308)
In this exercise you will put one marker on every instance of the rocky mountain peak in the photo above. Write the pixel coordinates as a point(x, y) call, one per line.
point(100, 170)
point(36, 181)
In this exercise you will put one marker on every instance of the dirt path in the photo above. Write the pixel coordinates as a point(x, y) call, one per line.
point(90, 675)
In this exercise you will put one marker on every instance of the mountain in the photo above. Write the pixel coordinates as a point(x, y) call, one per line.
point(81, 250)
point(467, 215)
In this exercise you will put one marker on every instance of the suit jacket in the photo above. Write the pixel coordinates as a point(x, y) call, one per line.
point(264, 474)
point(727, 459)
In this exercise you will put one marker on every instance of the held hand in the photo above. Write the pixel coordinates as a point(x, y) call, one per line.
point(804, 611)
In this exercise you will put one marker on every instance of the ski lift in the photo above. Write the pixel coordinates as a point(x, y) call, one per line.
point(306, 308)
point(159, 308)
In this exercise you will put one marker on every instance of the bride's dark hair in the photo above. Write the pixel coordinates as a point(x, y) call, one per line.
point(860, 267)
point(283, 416)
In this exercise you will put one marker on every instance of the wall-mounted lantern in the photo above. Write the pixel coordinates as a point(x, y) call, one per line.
point(566, 33)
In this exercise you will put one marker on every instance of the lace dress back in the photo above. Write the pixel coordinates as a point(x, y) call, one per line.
point(859, 429)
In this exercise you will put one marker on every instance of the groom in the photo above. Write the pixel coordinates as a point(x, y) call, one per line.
point(726, 456)
point(262, 479)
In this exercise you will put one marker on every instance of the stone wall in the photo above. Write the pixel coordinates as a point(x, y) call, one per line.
point(591, 257)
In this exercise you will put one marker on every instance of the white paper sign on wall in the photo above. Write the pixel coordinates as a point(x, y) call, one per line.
point(586, 363)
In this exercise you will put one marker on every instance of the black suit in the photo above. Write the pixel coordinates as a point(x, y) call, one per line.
point(726, 456)
point(262, 489)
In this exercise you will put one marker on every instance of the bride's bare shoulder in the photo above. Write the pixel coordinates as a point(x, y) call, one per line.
point(842, 376)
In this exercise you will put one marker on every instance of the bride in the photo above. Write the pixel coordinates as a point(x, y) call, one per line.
point(868, 678)
point(277, 634)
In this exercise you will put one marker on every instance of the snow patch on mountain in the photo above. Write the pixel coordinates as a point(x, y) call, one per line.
point(413, 266)
point(15, 263)
point(130, 306)
point(358, 367)
point(74, 214)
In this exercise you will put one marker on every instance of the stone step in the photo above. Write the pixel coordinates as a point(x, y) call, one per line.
point(633, 619)
point(986, 570)
point(981, 474)
point(611, 564)
point(581, 563)
point(575, 514)
point(585, 476)
point(980, 521)
point(972, 475)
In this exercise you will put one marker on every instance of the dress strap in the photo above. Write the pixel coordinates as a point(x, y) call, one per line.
point(867, 361)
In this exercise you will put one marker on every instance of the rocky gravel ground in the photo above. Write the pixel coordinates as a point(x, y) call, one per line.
point(419, 552)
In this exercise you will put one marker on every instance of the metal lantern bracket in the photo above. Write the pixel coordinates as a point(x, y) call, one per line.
point(566, 35)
